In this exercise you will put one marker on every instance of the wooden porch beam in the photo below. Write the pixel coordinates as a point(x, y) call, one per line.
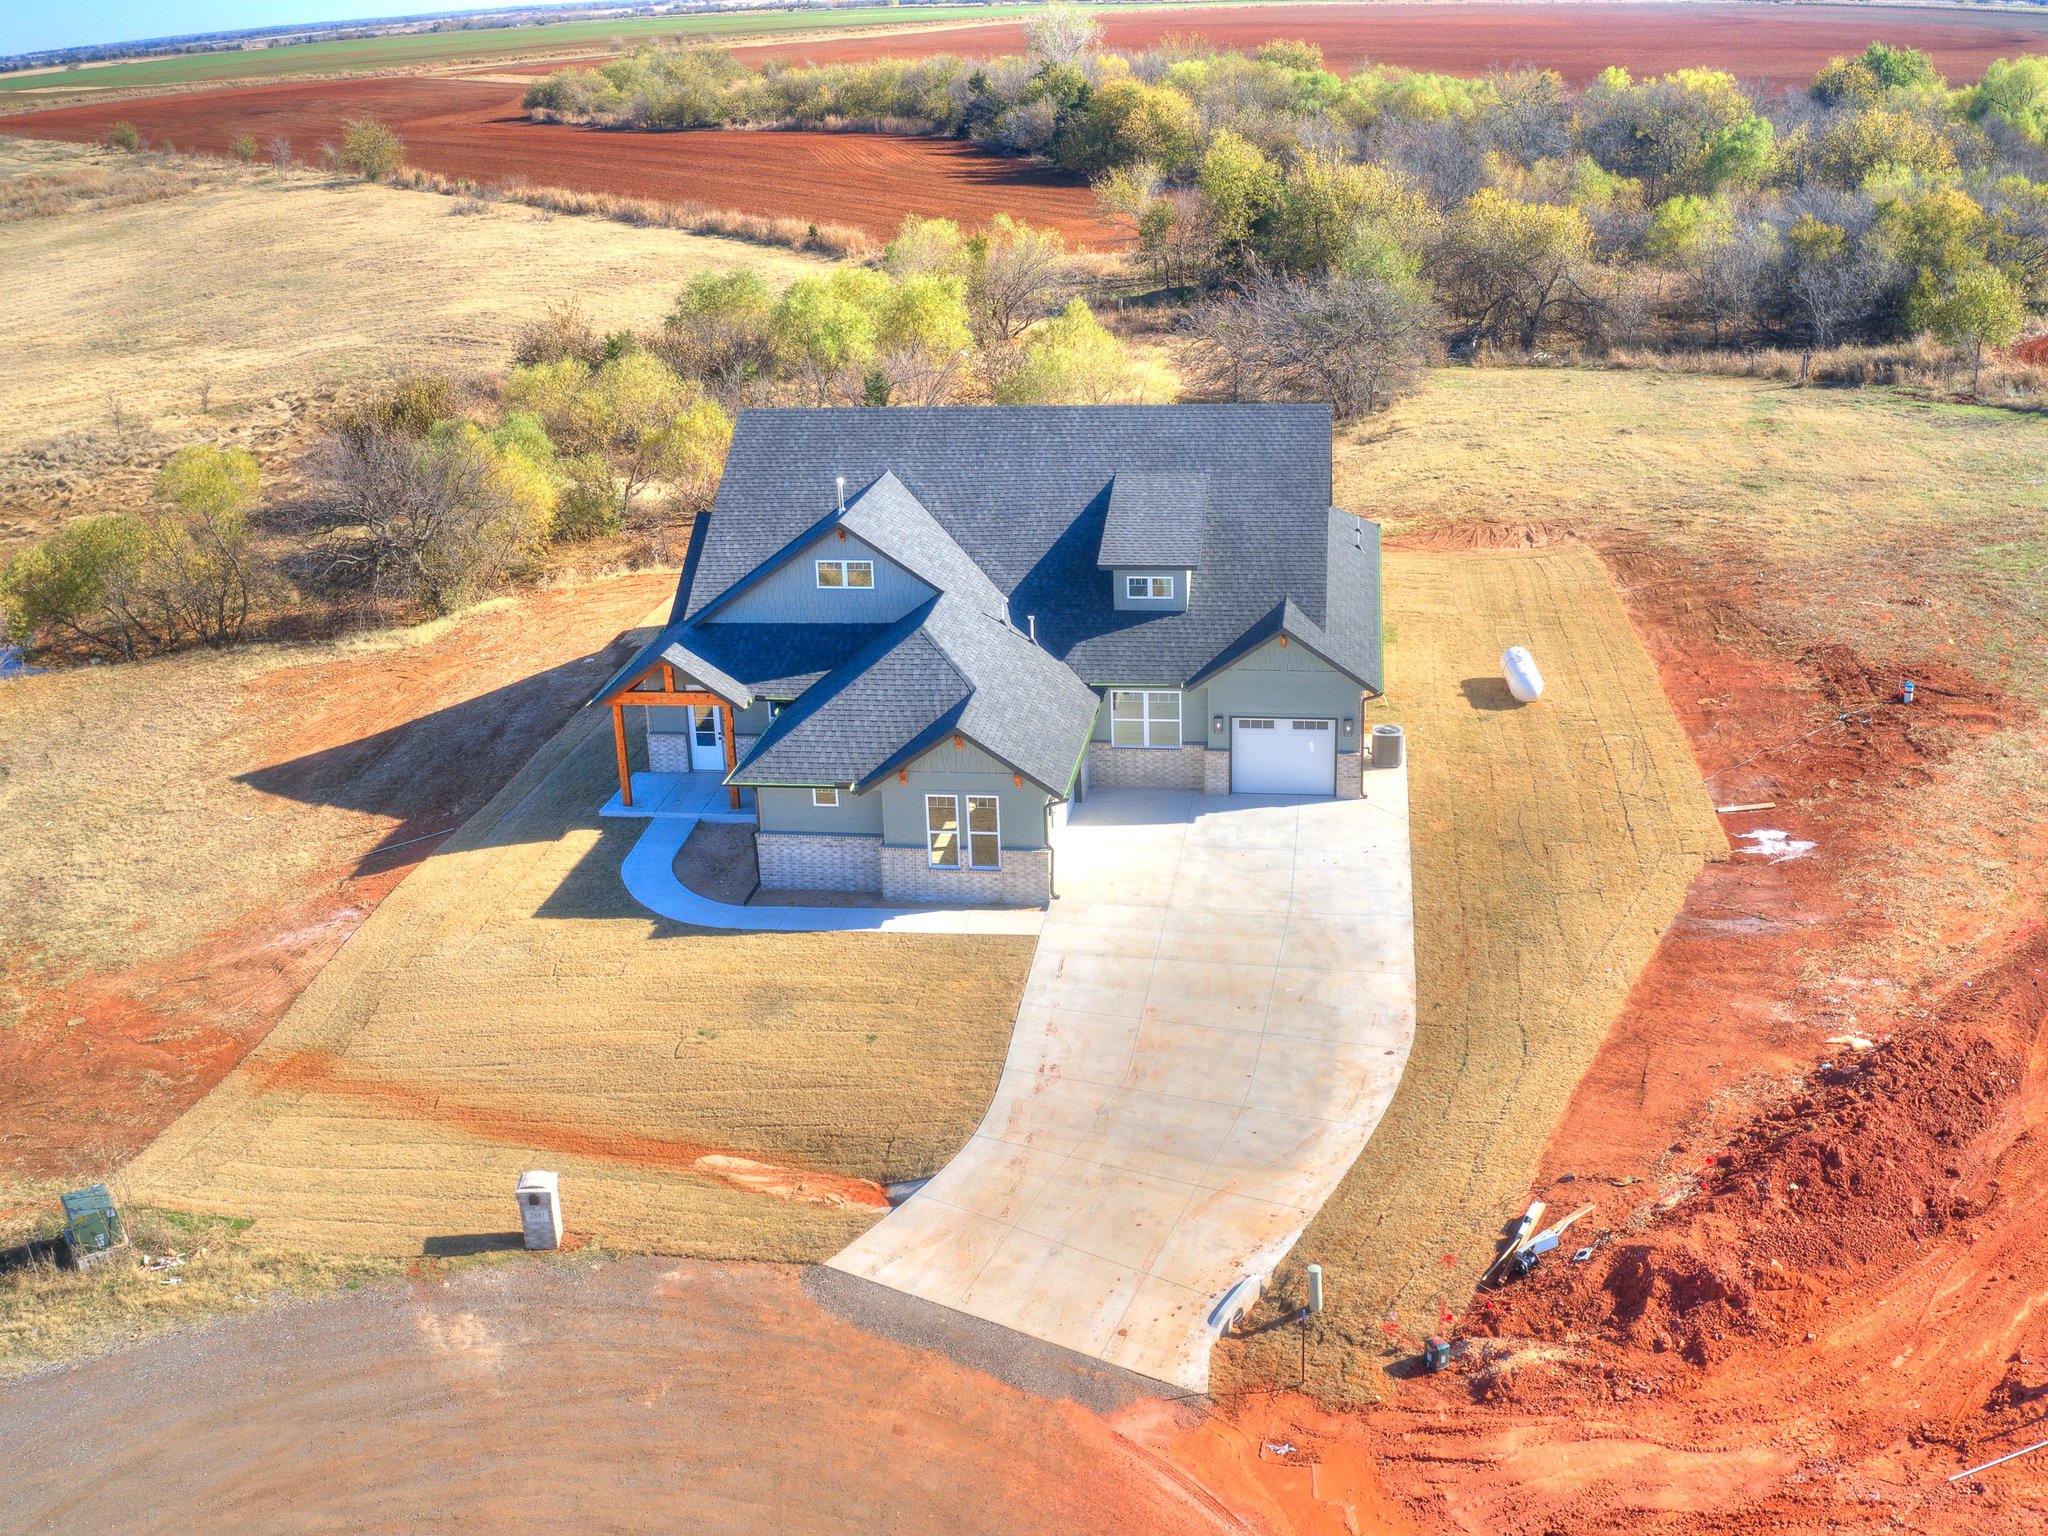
point(619, 740)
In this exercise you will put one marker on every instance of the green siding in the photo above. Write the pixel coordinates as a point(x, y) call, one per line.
point(791, 595)
point(1183, 581)
point(965, 770)
point(791, 810)
point(1284, 681)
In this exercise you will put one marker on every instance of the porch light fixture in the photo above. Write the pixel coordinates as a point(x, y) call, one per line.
point(1216, 725)
point(1349, 723)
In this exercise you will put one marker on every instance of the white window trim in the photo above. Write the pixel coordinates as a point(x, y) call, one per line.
point(1146, 720)
point(824, 796)
point(968, 833)
point(845, 568)
point(1149, 595)
point(931, 852)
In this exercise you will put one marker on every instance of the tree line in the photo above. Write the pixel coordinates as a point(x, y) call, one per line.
point(427, 494)
point(1292, 202)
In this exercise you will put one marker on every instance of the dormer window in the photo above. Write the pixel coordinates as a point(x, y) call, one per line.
point(846, 573)
point(1155, 589)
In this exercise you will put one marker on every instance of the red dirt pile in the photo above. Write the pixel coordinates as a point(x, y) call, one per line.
point(1883, 1153)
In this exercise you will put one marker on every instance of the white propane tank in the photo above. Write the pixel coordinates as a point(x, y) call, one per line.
point(1519, 668)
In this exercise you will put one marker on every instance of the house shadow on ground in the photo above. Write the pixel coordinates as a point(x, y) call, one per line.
point(434, 771)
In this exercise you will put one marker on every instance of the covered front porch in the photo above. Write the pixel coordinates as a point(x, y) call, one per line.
point(690, 748)
point(698, 796)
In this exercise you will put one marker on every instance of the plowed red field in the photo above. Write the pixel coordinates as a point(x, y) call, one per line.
point(1784, 44)
point(477, 129)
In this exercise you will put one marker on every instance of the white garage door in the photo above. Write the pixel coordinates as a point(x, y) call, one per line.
point(1283, 757)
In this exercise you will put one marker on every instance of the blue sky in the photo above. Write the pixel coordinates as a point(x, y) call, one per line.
point(28, 26)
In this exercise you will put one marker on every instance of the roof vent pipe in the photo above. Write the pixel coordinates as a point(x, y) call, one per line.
point(840, 480)
point(1031, 626)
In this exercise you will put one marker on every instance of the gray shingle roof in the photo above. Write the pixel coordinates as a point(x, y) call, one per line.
point(1011, 515)
point(947, 667)
point(1154, 520)
point(1025, 493)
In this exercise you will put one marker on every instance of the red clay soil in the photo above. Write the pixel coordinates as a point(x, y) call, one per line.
point(2034, 351)
point(404, 739)
point(1783, 44)
point(320, 1072)
point(478, 129)
point(1811, 1293)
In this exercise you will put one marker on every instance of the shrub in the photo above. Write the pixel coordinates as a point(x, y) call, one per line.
point(562, 332)
point(369, 149)
point(1072, 360)
point(279, 152)
point(123, 136)
point(243, 148)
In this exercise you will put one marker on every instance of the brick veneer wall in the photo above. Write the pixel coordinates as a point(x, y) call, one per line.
point(1350, 783)
point(1025, 880)
point(805, 861)
point(668, 752)
point(1216, 773)
point(1147, 767)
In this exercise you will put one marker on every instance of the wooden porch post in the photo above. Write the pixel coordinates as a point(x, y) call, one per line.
point(619, 739)
point(731, 751)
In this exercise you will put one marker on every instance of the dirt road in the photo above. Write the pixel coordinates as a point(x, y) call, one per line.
point(573, 1394)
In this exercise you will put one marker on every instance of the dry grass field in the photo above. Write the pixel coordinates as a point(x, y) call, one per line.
point(508, 1007)
point(1553, 844)
point(224, 309)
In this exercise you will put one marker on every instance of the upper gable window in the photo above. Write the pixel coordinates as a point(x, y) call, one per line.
point(1150, 588)
point(846, 573)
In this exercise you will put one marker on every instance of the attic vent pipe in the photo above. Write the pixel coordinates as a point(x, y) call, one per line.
point(1357, 534)
point(840, 480)
point(1031, 626)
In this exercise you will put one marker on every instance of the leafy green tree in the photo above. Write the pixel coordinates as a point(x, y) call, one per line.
point(1867, 78)
point(1125, 121)
point(924, 245)
point(124, 137)
point(370, 149)
point(1506, 267)
point(1865, 144)
point(1241, 188)
point(200, 557)
point(1072, 360)
point(1015, 275)
point(79, 587)
point(243, 148)
point(2013, 91)
point(722, 330)
point(823, 328)
point(1968, 310)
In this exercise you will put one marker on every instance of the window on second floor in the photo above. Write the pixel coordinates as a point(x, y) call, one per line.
point(846, 573)
point(1149, 588)
point(824, 797)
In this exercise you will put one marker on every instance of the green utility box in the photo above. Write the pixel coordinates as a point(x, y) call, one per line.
point(92, 1227)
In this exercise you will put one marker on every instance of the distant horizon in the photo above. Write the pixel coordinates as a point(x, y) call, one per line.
point(131, 23)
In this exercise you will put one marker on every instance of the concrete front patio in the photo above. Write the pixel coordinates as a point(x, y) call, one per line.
point(1219, 1011)
point(690, 797)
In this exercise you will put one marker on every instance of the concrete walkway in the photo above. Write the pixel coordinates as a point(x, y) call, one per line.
point(1219, 1012)
point(650, 876)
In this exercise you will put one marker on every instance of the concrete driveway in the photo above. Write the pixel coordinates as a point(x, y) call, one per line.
point(1219, 1011)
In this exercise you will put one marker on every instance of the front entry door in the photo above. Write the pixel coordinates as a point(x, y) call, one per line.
point(707, 739)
